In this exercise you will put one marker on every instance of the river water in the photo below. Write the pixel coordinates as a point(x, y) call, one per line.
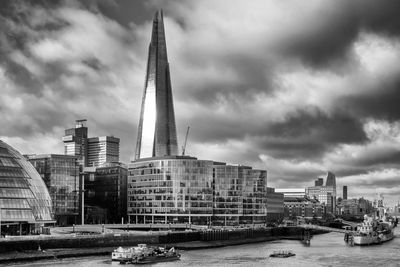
point(324, 250)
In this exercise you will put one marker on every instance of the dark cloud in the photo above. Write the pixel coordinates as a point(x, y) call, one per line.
point(381, 103)
point(317, 127)
point(328, 38)
point(378, 16)
point(259, 84)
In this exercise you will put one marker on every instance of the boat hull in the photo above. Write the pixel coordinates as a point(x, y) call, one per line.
point(151, 259)
point(372, 240)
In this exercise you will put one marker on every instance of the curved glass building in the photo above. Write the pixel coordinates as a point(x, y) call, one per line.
point(25, 203)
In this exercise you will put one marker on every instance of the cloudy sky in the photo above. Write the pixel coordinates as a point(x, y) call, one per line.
point(294, 87)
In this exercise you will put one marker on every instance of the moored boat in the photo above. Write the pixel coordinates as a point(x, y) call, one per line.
point(121, 254)
point(143, 254)
point(372, 231)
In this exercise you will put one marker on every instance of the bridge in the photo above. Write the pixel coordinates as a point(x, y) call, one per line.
point(324, 228)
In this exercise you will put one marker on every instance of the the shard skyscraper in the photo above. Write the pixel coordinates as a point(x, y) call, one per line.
point(157, 130)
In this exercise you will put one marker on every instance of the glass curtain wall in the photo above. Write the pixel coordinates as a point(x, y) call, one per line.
point(170, 190)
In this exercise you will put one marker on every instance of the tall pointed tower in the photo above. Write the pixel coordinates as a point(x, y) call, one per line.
point(157, 130)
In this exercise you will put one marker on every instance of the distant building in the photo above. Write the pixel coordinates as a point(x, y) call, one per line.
point(25, 203)
point(182, 189)
point(102, 150)
point(331, 179)
point(275, 205)
point(355, 207)
point(302, 206)
point(325, 194)
point(292, 192)
point(106, 193)
point(75, 142)
point(93, 151)
point(345, 192)
point(61, 176)
point(319, 182)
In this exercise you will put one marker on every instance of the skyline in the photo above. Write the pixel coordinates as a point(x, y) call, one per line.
point(317, 93)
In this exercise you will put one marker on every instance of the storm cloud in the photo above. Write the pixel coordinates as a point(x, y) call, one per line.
point(296, 88)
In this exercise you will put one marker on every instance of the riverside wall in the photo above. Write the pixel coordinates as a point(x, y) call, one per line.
point(127, 239)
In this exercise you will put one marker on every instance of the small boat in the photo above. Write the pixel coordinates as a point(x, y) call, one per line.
point(282, 254)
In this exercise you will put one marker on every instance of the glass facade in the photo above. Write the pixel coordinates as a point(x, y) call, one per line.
point(61, 176)
point(181, 189)
point(275, 202)
point(254, 195)
point(102, 150)
point(228, 198)
point(106, 189)
point(24, 198)
point(170, 190)
point(157, 129)
point(75, 142)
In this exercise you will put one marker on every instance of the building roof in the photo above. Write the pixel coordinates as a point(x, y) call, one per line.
point(23, 194)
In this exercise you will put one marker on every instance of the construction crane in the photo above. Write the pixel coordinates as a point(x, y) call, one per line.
point(184, 145)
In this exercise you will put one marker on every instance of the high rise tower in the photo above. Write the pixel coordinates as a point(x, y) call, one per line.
point(75, 141)
point(157, 130)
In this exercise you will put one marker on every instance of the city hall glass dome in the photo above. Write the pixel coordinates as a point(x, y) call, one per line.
point(23, 194)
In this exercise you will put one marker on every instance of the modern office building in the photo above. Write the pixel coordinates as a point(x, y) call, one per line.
point(182, 189)
point(106, 191)
point(345, 192)
point(319, 182)
point(91, 152)
point(25, 203)
point(75, 142)
point(157, 130)
point(171, 189)
point(61, 176)
point(275, 205)
point(164, 187)
point(325, 194)
point(331, 180)
point(102, 150)
point(239, 194)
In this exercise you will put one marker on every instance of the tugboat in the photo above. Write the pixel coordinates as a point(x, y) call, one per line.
point(282, 254)
point(372, 231)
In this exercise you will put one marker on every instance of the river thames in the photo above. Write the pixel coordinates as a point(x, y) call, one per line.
point(324, 250)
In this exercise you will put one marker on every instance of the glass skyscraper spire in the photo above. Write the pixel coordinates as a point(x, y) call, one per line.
point(157, 130)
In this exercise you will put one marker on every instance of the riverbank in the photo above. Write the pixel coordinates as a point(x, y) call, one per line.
point(50, 254)
point(42, 248)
